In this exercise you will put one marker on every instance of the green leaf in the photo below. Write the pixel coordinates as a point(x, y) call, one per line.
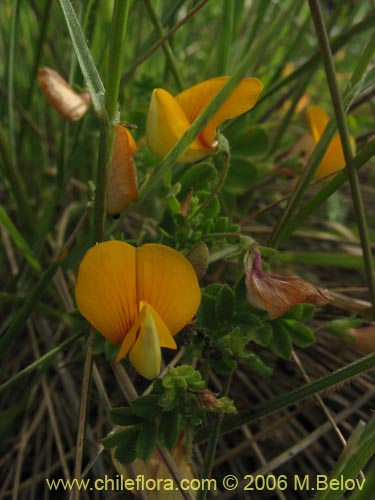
point(257, 364)
point(212, 210)
point(223, 365)
point(119, 437)
point(207, 312)
point(254, 141)
point(173, 204)
point(146, 406)
point(169, 429)
point(110, 350)
point(86, 62)
point(303, 312)
point(300, 334)
point(261, 336)
point(198, 176)
point(146, 440)
point(123, 415)
point(225, 304)
point(126, 450)
point(280, 343)
point(242, 175)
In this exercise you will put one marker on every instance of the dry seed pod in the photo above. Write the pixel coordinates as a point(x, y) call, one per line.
point(278, 294)
point(69, 104)
point(123, 179)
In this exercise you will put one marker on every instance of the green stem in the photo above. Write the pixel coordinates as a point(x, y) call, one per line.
point(338, 42)
point(116, 56)
point(15, 180)
point(225, 38)
point(14, 329)
point(342, 125)
point(220, 182)
point(160, 42)
point(212, 444)
point(328, 189)
point(40, 363)
point(166, 47)
point(13, 33)
point(115, 59)
point(292, 397)
point(104, 164)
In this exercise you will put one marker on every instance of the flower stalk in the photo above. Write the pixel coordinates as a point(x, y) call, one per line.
point(342, 125)
point(212, 443)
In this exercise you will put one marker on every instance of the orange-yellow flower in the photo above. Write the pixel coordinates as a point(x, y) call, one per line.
point(333, 158)
point(123, 179)
point(69, 104)
point(169, 117)
point(137, 297)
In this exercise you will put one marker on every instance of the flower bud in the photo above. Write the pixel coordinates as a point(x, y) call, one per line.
point(209, 401)
point(364, 338)
point(123, 180)
point(278, 294)
point(69, 104)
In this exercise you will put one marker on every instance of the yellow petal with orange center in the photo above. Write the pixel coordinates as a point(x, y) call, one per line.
point(123, 180)
point(195, 99)
point(166, 123)
point(106, 289)
point(317, 119)
point(167, 281)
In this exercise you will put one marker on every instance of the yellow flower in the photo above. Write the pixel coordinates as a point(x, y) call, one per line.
point(123, 180)
point(169, 117)
point(137, 297)
point(333, 158)
point(69, 104)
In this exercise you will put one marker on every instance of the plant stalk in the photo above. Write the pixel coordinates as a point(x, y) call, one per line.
point(342, 125)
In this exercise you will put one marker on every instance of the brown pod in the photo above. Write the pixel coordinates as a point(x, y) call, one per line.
point(278, 294)
point(69, 104)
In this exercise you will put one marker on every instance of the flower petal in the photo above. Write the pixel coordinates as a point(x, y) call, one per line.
point(334, 159)
point(195, 99)
point(164, 335)
point(123, 180)
point(69, 104)
point(131, 336)
point(166, 123)
point(106, 289)
point(167, 281)
point(145, 355)
point(317, 119)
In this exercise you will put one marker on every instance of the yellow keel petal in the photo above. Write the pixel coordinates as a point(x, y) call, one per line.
point(145, 355)
point(166, 123)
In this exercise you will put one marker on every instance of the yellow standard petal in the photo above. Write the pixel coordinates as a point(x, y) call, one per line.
point(123, 180)
point(167, 281)
point(166, 123)
point(106, 289)
point(333, 159)
point(195, 99)
point(69, 104)
point(317, 119)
